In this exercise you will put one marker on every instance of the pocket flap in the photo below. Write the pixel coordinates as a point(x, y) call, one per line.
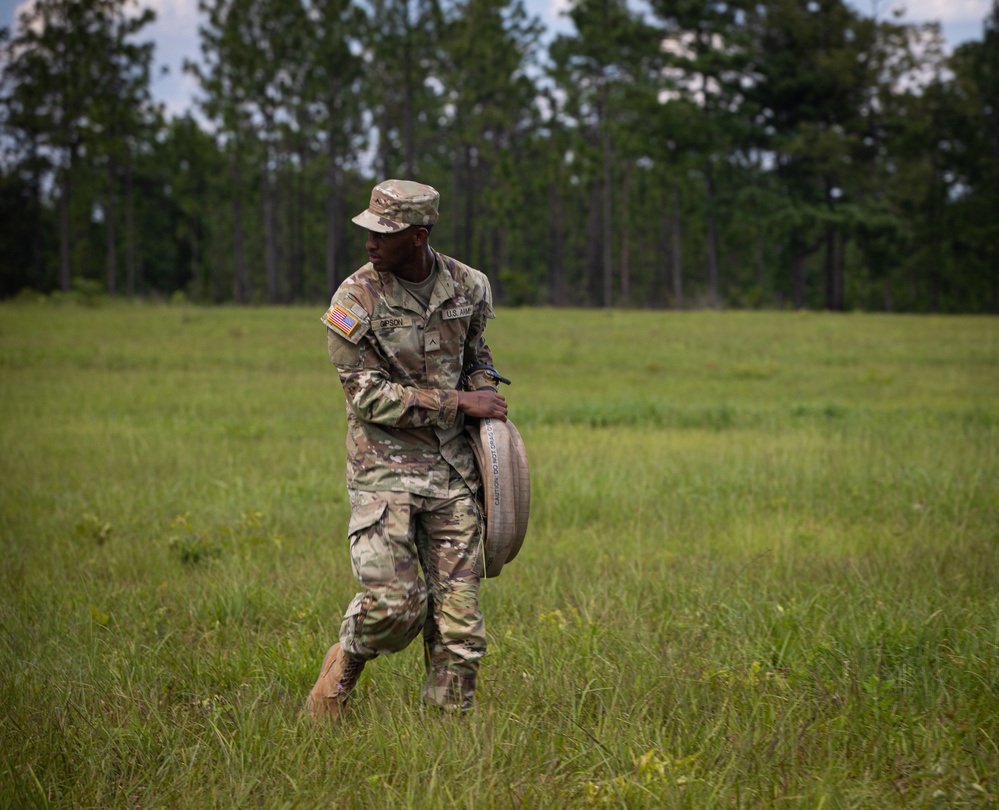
point(365, 515)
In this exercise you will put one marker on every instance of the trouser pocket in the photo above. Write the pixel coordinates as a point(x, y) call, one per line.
point(371, 555)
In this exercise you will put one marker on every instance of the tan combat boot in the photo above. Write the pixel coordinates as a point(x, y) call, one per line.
point(337, 678)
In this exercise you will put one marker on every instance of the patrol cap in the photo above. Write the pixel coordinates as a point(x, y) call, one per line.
point(397, 204)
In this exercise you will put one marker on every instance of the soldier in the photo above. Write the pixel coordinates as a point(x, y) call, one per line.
point(405, 333)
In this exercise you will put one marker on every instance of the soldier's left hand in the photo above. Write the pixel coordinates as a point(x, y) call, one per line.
point(484, 404)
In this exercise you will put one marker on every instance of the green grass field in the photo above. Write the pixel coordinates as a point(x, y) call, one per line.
point(762, 569)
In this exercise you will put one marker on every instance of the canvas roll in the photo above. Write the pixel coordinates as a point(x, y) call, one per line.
point(501, 457)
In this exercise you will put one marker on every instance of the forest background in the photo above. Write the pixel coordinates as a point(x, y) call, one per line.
point(673, 154)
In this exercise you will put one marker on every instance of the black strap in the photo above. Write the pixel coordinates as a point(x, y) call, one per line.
point(468, 371)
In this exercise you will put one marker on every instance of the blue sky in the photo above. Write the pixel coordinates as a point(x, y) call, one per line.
point(176, 32)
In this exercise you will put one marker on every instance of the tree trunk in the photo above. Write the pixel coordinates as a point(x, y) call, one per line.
point(291, 232)
point(64, 237)
point(677, 244)
point(606, 219)
point(468, 235)
point(457, 221)
point(243, 292)
point(130, 235)
point(500, 262)
point(409, 146)
point(270, 234)
point(625, 266)
point(334, 193)
point(198, 285)
point(835, 258)
point(840, 271)
point(216, 281)
point(384, 145)
point(626, 239)
point(298, 290)
point(556, 263)
point(709, 188)
point(109, 230)
point(663, 264)
point(761, 249)
point(994, 279)
point(36, 221)
point(593, 245)
point(932, 277)
point(798, 265)
point(831, 303)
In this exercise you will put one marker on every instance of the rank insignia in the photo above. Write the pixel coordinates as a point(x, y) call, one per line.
point(342, 320)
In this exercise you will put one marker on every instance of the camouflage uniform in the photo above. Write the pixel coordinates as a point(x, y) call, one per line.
point(411, 474)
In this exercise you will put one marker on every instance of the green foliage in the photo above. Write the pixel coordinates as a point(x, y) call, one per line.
point(760, 569)
point(86, 291)
point(77, 102)
point(722, 154)
point(93, 528)
point(245, 537)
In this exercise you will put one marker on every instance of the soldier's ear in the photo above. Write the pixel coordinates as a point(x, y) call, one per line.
point(421, 235)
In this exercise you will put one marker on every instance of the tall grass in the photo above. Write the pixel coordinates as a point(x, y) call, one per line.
point(761, 571)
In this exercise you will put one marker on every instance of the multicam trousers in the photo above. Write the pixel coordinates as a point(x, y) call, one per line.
point(392, 536)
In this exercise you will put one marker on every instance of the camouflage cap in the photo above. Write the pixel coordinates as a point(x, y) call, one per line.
point(397, 204)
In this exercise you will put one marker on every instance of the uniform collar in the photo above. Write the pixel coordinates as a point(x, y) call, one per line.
point(444, 288)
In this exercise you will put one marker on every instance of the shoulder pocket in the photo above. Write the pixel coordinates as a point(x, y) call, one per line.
point(347, 319)
point(343, 353)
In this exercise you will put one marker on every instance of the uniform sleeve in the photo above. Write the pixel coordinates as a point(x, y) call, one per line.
point(371, 394)
point(347, 322)
point(373, 397)
point(477, 351)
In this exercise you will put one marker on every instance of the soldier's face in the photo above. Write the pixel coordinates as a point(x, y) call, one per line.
point(389, 252)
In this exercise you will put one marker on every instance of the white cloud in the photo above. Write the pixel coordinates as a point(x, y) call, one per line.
point(944, 11)
point(175, 17)
point(551, 12)
point(12, 13)
point(960, 20)
point(556, 10)
point(172, 16)
point(175, 32)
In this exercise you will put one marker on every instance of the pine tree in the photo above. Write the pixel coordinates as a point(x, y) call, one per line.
point(79, 87)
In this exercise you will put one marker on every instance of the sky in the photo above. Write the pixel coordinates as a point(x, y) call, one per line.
point(176, 32)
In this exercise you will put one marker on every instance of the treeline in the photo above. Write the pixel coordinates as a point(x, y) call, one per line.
point(699, 153)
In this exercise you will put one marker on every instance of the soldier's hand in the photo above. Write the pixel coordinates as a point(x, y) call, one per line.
point(484, 404)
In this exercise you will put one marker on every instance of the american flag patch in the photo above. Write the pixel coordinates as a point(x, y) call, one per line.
point(341, 319)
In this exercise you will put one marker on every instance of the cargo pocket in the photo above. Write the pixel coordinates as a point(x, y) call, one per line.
point(371, 557)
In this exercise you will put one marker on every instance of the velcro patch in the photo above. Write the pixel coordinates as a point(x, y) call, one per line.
point(391, 323)
point(341, 320)
point(457, 312)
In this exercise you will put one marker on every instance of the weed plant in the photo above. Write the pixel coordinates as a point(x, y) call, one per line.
point(761, 569)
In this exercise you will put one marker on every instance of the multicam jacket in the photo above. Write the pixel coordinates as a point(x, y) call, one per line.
point(400, 368)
